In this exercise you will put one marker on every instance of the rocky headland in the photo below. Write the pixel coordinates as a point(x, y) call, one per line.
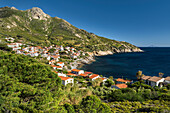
point(91, 58)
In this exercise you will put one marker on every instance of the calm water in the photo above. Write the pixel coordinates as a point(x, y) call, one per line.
point(151, 62)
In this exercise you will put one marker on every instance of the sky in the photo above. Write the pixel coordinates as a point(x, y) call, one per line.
point(140, 22)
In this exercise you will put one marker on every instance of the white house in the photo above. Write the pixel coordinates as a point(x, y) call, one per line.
point(61, 48)
point(59, 67)
point(18, 44)
point(73, 56)
point(34, 54)
point(26, 53)
point(60, 64)
point(94, 76)
point(16, 48)
point(154, 81)
point(56, 58)
point(48, 57)
point(145, 78)
point(18, 52)
point(54, 67)
point(51, 62)
point(77, 72)
point(61, 74)
point(26, 49)
point(10, 39)
point(167, 80)
point(66, 80)
point(67, 48)
point(38, 48)
point(44, 55)
point(72, 48)
point(12, 45)
point(31, 49)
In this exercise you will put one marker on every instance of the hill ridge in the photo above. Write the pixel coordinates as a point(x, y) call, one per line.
point(33, 26)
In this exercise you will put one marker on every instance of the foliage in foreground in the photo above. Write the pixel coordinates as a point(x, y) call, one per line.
point(29, 86)
point(146, 106)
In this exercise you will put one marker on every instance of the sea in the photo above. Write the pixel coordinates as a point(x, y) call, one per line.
point(125, 65)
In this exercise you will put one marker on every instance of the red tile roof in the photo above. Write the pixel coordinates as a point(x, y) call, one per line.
point(55, 56)
point(71, 74)
point(167, 78)
point(75, 70)
point(122, 80)
point(121, 85)
point(60, 62)
point(53, 66)
point(88, 73)
point(12, 44)
point(58, 66)
point(65, 78)
point(84, 75)
point(154, 79)
point(93, 76)
point(69, 71)
point(145, 77)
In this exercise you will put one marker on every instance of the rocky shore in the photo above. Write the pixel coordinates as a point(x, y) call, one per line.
point(103, 53)
point(91, 58)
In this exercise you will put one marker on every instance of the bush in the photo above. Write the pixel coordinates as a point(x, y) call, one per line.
point(69, 108)
point(5, 47)
point(93, 104)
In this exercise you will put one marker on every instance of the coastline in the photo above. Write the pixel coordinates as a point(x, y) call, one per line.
point(91, 58)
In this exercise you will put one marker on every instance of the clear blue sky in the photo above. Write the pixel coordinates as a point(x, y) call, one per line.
point(140, 22)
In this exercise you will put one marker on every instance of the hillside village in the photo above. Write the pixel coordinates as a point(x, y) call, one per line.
point(63, 60)
point(40, 69)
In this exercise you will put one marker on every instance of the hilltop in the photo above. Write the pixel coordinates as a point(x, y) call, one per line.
point(33, 26)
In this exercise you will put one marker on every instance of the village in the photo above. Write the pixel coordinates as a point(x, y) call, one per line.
point(62, 60)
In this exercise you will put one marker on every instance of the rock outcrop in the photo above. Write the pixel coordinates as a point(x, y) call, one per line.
point(103, 53)
point(37, 13)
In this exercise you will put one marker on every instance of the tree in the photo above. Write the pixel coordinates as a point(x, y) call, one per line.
point(69, 108)
point(139, 75)
point(97, 82)
point(5, 47)
point(111, 77)
point(101, 75)
point(161, 74)
point(109, 83)
point(52, 50)
point(90, 103)
point(104, 108)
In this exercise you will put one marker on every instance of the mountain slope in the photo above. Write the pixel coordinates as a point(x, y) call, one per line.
point(34, 26)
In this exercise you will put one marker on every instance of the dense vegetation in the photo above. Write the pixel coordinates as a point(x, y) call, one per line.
point(29, 86)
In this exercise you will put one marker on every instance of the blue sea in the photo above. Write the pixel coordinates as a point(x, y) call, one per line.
point(150, 62)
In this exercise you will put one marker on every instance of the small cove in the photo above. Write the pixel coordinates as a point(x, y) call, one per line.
point(151, 62)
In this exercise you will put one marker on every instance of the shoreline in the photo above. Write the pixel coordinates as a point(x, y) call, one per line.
point(91, 58)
